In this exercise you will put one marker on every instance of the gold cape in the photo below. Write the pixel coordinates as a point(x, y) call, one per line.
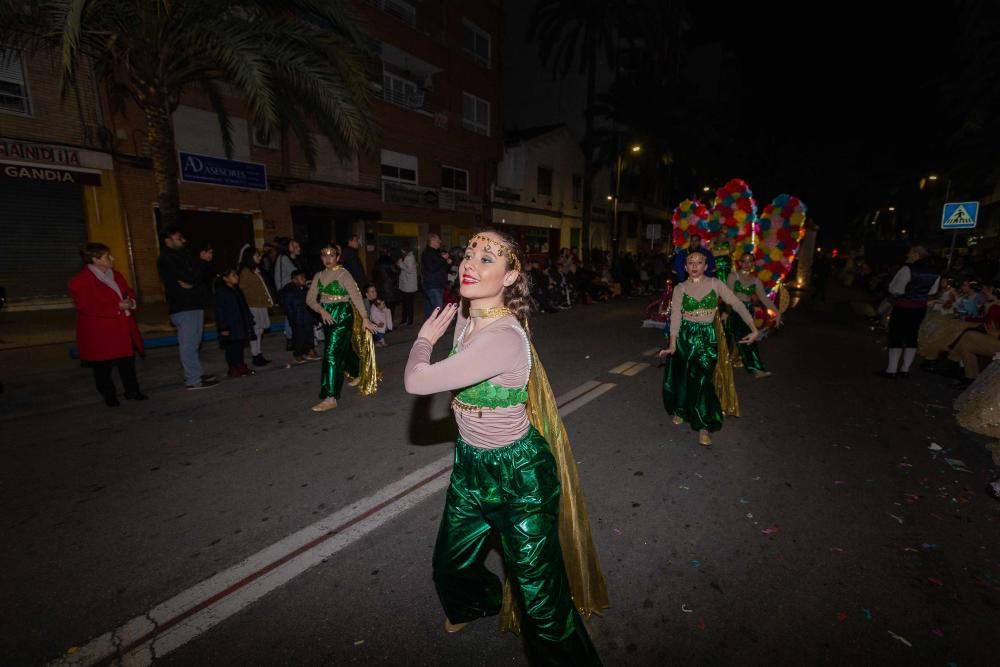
point(725, 385)
point(583, 569)
point(364, 347)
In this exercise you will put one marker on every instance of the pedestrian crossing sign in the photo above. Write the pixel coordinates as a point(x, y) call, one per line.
point(960, 215)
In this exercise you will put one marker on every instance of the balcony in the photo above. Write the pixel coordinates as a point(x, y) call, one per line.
point(408, 194)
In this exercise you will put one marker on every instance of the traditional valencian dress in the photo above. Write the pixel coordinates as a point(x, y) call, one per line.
point(349, 347)
point(745, 286)
point(514, 474)
point(689, 381)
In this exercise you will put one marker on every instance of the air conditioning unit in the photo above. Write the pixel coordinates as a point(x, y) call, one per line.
point(415, 100)
point(446, 199)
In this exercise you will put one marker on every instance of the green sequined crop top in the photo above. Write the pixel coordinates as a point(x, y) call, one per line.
point(488, 395)
point(331, 289)
point(748, 291)
point(708, 302)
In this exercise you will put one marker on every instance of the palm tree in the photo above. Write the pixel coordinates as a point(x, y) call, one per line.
point(295, 63)
point(575, 32)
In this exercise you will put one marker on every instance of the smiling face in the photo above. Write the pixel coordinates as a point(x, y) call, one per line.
point(371, 293)
point(695, 265)
point(746, 262)
point(484, 273)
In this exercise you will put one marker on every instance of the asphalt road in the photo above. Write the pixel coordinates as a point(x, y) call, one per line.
point(821, 528)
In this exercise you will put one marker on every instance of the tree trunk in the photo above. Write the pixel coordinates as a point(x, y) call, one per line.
point(588, 155)
point(160, 133)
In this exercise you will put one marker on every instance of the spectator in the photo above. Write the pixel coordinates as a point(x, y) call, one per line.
point(258, 297)
point(381, 317)
point(288, 262)
point(268, 258)
point(184, 282)
point(300, 317)
point(911, 288)
point(233, 321)
point(407, 283)
point(352, 261)
point(106, 331)
point(434, 266)
point(387, 278)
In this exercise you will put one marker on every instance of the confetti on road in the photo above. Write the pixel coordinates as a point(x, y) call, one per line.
point(359, 642)
point(934, 447)
point(683, 487)
point(696, 563)
point(841, 616)
point(744, 501)
point(868, 613)
point(897, 518)
point(958, 465)
point(837, 549)
point(701, 622)
point(935, 581)
point(772, 530)
point(685, 609)
point(937, 632)
point(616, 531)
point(901, 640)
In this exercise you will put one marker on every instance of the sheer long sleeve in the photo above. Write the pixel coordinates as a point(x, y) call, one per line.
point(489, 354)
point(762, 295)
point(730, 297)
point(347, 281)
point(312, 296)
point(676, 311)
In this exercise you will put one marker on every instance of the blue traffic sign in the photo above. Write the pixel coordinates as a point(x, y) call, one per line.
point(960, 215)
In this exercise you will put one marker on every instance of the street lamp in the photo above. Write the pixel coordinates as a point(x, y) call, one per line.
point(706, 189)
point(635, 148)
point(892, 208)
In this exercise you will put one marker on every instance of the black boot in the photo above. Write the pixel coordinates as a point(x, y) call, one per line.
point(259, 360)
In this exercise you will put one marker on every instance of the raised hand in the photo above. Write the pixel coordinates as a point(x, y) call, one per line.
point(438, 323)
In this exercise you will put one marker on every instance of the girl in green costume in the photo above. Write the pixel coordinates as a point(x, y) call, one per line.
point(514, 472)
point(688, 382)
point(349, 351)
point(746, 285)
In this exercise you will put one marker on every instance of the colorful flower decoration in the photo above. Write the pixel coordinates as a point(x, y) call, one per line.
point(779, 233)
point(734, 213)
point(690, 217)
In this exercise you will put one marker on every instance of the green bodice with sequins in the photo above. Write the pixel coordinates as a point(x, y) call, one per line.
point(707, 302)
point(489, 395)
point(331, 289)
point(742, 291)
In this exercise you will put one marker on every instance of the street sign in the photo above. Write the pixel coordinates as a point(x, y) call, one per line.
point(960, 215)
point(653, 231)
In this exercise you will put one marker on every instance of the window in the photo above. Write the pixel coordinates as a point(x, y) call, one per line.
point(544, 182)
point(399, 167)
point(401, 91)
point(475, 114)
point(476, 42)
point(13, 85)
point(577, 188)
point(453, 178)
point(264, 139)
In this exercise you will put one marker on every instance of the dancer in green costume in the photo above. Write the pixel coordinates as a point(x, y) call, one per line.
point(349, 350)
point(514, 471)
point(688, 382)
point(745, 284)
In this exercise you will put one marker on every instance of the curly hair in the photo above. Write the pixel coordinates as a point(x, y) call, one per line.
point(517, 296)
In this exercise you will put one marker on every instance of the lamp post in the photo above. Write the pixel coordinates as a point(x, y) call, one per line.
point(635, 148)
point(954, 232)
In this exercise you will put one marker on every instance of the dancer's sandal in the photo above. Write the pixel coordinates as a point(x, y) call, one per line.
point(704, 438)
point(452, 628)
point(325, 404)
point(352, 381)
point(677, 420)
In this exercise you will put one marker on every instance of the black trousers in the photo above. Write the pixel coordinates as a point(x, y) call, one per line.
point(302, 339)
point(234, 353)
point(126, 369)
point(904, 325)
point(407, 299)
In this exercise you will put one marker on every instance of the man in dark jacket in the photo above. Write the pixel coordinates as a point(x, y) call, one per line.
point(351, 260)
point(184, 282)
point(434, 271)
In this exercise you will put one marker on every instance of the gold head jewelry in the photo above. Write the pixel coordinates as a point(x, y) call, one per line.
point(498, 248)
point(329, 252)
point(489, 313)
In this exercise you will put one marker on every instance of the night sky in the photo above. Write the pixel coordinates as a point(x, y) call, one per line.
point(840, 104)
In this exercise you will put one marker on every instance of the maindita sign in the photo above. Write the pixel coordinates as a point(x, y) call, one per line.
point(210, 170)
point(29, 161)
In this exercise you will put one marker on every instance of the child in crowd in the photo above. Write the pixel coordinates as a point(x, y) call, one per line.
point(233, 321)
point(381, 317)
point(293, 302)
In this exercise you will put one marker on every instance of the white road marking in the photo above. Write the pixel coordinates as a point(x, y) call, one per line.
point(621, 369)
point(193, 612)
point(635, 370)
point(651, 351)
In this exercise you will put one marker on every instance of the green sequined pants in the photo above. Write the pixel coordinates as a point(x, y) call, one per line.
point(688, 387)
point(513, 490)
point(338, 354)
point(736, 329)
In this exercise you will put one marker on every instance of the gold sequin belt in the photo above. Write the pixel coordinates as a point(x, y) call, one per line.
point(326, 298)
point(695, 314)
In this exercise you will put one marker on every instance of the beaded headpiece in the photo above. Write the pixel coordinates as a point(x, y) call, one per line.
point(498, 248)
point(330, 251)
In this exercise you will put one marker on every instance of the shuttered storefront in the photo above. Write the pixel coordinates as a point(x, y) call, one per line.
point(42, 227)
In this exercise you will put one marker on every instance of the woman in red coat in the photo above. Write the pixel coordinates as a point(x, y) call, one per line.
point(106, 331)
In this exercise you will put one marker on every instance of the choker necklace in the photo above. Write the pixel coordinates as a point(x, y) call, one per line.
point(697, 280)
point(489, 313)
